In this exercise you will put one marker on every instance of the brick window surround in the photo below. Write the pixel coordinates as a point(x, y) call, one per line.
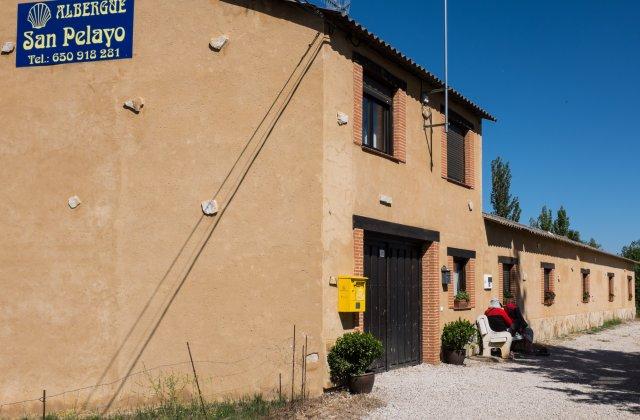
point(398, 116)
point(552, 280)
point(470, 140)
point(470, 280)
point(430, 295)
point(514, 274)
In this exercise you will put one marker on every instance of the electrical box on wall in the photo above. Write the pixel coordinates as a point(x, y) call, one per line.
point(488, 282)
point(351, 293)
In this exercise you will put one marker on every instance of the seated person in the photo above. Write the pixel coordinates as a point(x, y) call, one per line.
point(522, 332)
point(519, 325)
point(499, 319)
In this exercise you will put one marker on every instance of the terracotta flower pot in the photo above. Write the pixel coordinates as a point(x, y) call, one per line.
point(362, 384)
point(454, 357)
point(460, 304)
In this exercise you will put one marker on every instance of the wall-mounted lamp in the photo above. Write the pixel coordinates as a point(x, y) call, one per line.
point(446, 275)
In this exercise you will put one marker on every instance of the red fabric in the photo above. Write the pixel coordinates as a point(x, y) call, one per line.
point(510, 307)
point(501, 313)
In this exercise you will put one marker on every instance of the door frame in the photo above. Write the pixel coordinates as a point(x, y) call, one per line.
point(420, 247)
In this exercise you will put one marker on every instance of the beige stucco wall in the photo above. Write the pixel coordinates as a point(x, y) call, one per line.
point(83, 290)
point(354, 179)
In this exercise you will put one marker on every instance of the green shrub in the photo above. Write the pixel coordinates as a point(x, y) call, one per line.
point(352, 355)
point(586, 296)
point(462, 295)
point(457, 334)
point(508, 295)
point(549, 295)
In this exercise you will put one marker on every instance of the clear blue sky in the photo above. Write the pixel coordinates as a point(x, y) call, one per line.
point(563, 79)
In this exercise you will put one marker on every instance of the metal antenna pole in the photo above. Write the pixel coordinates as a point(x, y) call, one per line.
point(446, 70)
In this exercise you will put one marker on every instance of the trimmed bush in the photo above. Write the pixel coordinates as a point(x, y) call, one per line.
point(352, 355)
point(456, 335)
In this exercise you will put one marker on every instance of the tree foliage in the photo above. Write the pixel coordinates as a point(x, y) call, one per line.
point(594, 244)
point(574, 235)
point(632, 251)
point(561, 224)
point(544, 220)
point(504, 204)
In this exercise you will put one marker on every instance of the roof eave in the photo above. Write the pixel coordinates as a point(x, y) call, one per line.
point(345, 22)
point(548, 235)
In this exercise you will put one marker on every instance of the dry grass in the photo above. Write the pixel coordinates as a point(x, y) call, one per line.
point(333, 405)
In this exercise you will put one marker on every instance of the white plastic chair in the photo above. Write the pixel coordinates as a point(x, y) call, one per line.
point(493, 339)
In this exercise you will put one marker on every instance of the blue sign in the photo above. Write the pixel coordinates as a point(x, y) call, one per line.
point(72, 31)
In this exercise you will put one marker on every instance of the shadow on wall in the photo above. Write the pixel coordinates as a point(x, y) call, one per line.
point(614, 376)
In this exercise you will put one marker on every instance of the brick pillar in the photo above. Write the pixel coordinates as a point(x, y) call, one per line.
point(358, 88)
point(358, 267)
point(469, 159)
point(431, 304)
point(400, 125)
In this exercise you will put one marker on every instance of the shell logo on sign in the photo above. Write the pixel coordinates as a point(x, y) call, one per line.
point(39, 15)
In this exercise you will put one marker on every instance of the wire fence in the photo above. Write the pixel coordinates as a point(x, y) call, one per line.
point(268, 371)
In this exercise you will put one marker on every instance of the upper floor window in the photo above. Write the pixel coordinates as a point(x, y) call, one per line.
point(456, 164)
point(377, 114)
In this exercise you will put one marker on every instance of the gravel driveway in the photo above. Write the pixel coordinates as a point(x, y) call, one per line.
point(590, 376)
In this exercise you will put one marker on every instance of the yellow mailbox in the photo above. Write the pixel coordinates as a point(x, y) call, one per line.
point(351, 293)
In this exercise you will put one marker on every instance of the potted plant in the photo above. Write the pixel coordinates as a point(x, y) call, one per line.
point(350, 358)
point(549, 297)
point(455, 336)
point(461, 300)
point(585, 297)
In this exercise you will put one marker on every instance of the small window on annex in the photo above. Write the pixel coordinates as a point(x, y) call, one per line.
point(611, 287)
point(585, 286)
point(547, 280)
point(506, 280)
